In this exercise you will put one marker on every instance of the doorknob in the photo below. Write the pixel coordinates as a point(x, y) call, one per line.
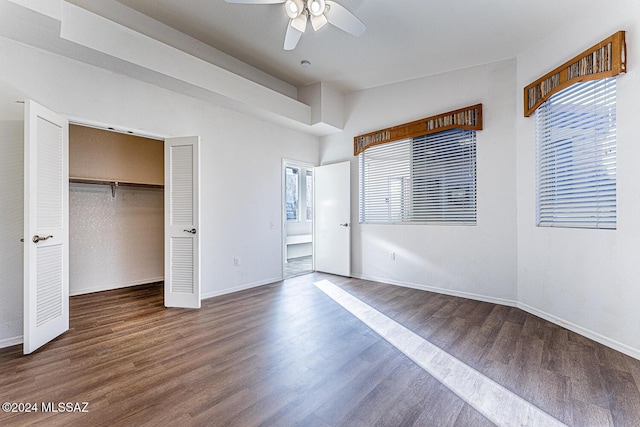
point(346, 224)
point(192, 231)
point(37, 238)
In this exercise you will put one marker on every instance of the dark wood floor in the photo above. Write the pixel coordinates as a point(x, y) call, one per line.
point(286, 354)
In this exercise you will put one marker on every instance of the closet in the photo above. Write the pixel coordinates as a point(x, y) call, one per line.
point(116, 210)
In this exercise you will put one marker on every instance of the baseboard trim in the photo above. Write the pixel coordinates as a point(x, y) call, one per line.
point(622, 348)
point(116, 286)
point(601, 339)
point(9, 342)
point(453, 293)
point(240, 288)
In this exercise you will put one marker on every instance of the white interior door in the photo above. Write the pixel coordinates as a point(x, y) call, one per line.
point(46, 226)
point(332, 212)
point(182, 222)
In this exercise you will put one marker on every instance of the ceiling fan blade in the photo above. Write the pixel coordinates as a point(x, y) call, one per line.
point(318, 22)
point(292, 37)
point(255, 1)
point(343, 19)
point(299, 23)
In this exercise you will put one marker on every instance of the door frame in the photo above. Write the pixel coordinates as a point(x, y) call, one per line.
point(74, 120)
point(161, 140)
point(286, 163)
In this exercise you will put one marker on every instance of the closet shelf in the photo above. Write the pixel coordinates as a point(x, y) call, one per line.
point(113, 184)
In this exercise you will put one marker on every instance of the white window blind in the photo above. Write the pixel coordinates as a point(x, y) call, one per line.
point(428, 179)
point(576, 157)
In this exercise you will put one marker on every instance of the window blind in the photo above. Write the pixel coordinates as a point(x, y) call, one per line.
point(427, 179)
point(576, 156)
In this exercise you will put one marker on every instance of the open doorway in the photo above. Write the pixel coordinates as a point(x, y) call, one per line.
point(46, 213)
point(298, 218)
point(116, 210)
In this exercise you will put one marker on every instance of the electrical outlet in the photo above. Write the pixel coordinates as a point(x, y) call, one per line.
point(236, 262)
point(392, 256)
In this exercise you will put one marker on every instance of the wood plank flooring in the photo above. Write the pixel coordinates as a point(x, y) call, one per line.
point(286, 354)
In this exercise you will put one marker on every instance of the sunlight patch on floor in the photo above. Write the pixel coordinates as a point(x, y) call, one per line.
point(501, 406)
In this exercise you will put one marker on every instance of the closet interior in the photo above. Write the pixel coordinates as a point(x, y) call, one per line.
point(116, 210)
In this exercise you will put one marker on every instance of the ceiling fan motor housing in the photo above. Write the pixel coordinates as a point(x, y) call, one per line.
point(294, 8)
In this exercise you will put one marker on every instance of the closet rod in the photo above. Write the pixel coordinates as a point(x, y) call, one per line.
point(113, 184)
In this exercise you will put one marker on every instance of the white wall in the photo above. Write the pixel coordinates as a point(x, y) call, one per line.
point(477, 261)
point(585, 279)
point(241, 164)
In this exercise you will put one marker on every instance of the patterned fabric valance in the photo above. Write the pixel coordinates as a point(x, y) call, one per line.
point(469, 118)
point(606, 59)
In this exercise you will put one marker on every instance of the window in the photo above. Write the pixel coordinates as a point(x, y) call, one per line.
point(428, 179)
point(309, 198)
point(292, 193)
point(298, 194)
point(576, 157)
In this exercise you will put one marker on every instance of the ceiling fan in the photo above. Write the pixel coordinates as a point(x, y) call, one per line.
point(319, 12)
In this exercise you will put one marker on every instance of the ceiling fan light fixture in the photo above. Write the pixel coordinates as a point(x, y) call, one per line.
point(319, 12)
point(294, 8)
point(316, 7)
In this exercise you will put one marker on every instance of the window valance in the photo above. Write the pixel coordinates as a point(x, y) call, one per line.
point(469, 118)
point(605, 59)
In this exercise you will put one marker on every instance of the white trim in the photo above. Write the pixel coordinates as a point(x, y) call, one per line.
point(241, 288)
point(116, 286)
point(110, 128)
point(622, 348)
point(8, 342)
point(453, 293)
point(297, 163)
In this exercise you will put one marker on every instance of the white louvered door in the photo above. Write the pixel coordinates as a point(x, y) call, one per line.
point(46, 226)
point(182, 227)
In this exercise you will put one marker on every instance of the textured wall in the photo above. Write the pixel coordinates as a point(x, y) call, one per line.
point(114, 241)
point(11, 218)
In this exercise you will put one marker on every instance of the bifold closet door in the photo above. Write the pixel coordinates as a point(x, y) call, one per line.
point(182, 222)
point(46, 226)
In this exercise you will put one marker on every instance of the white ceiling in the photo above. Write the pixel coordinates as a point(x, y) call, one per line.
point(405, 39)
